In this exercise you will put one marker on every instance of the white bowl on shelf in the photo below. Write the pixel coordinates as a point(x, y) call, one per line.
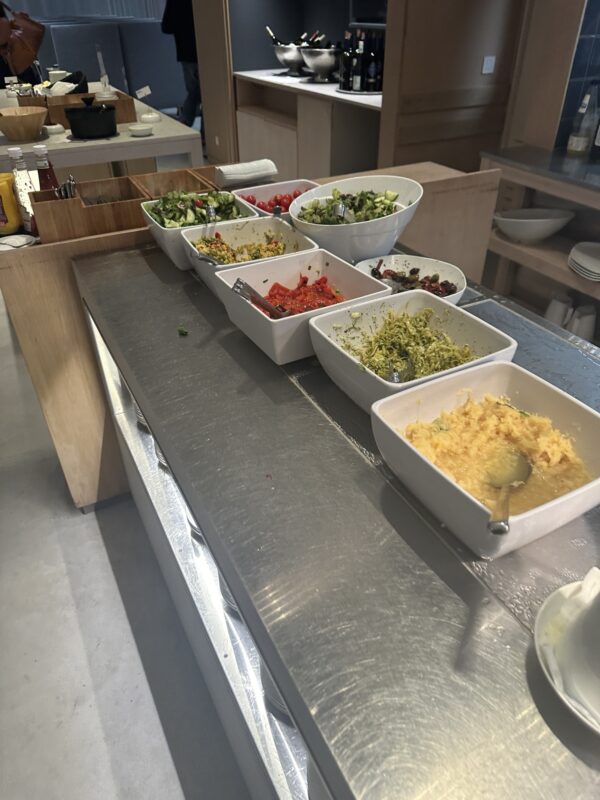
point(171, 241)
point(362, 385)
point(236, 233)
point(465, 516)
point(265, 191)
point(288, 339)
point(360, 240)
point(531, 225)
point(427, 266)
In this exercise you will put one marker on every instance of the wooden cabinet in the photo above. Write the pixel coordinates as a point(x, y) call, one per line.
point(305, 132)
point(439, 100)
point(264, 134)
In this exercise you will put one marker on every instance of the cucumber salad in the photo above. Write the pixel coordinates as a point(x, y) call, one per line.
point(179, 209)
point(359, 207)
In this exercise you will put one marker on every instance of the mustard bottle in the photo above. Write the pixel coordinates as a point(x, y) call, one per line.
point(10, 219)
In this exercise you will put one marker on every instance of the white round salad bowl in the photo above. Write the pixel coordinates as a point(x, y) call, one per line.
point(359, 240)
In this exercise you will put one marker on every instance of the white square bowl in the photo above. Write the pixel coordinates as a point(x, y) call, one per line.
point(465, 516)
point(285, 340)
point(267, 190)
point(363, 385)
point(239, 232)
point(170, 240)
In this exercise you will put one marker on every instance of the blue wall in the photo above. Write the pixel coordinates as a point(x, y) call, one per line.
point(586, 67)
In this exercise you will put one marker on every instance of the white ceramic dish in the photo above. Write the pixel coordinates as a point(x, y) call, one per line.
point(53, 130)
point(267, 190)
point(364, 386)
point(427, 266)
point(587, 256)
point(288, 339)
point(359, 240)
point(466, 517)
point(236, 233)
point(171, 241)
point(150, 117)
point(548, 632)
point(530, 225)
point(140, 129)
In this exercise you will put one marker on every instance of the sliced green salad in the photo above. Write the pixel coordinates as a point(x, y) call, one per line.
point(178, 209)
point(360, 207)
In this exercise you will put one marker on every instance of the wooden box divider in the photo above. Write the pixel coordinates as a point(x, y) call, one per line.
point(158, 184)
point(103, 206)
point(124, 106)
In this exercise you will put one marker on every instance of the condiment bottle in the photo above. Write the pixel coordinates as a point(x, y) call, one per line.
point(10, 219)
point(584, 124)
point(45, 169)
point(23, 185)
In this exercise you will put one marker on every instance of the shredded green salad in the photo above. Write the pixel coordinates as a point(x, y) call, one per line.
point(402, 343)
point(179, 209)
point(360, 207)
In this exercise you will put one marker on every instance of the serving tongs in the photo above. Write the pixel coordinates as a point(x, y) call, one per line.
point(341, 210)
point(247, 292)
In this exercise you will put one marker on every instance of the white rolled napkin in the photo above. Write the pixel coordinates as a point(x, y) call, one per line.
point(246, 173)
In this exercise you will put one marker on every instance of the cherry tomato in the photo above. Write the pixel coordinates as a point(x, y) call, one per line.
point(250, 198)
point(262, 205)
point(297, 193)
point(276, 199)
point(285, 205)
point(286, 198)
point(271, 205)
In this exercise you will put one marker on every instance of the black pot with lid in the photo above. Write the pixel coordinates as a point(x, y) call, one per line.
point(90, 121)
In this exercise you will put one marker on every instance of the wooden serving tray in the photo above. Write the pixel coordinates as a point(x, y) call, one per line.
point(103, 206)
point(124, 106)
point(158, 184)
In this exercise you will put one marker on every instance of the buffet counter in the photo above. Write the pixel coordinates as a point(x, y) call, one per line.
point(405, 662)
point(307, 128)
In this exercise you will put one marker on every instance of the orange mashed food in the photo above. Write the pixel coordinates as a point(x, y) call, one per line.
point(465, 442)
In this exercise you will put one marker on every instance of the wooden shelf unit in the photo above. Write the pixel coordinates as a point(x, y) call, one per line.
point(547, 258)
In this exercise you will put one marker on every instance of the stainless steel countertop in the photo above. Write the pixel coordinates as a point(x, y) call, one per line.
point(407, 664)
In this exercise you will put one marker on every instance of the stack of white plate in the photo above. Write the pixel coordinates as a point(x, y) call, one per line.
point(584, 259)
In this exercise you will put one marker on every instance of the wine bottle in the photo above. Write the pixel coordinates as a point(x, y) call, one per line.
point(274, 38)
point(380, 51)
point(357, 65)
point(370, 65)
point(346, 63)
point(301, 39)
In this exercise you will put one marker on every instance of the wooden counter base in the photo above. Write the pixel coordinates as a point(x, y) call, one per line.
point(45, 308)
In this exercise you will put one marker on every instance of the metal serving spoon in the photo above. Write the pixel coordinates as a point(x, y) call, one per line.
point(245, 290)
point(406, 374)
point(512, 470)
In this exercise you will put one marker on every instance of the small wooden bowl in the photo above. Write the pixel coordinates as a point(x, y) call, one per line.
point(22, 123)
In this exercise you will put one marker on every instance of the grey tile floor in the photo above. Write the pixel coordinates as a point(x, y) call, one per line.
point(100, 695)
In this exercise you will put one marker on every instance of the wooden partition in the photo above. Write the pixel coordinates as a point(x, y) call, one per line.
point(44, 305)
point(437, 102)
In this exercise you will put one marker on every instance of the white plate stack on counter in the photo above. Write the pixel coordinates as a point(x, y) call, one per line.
point(584, 259)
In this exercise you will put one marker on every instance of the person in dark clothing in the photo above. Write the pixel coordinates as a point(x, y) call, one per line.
point(178, 21)
point(29, 76)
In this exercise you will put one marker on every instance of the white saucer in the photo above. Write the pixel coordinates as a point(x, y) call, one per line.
point(547, 630)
